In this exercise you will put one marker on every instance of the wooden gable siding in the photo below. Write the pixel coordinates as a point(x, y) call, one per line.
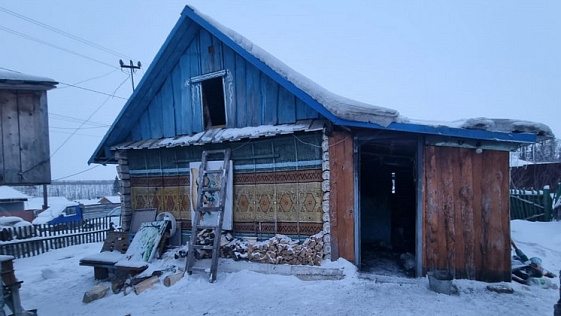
point(252, 98)
point(466, 213)
point(341, 196)
point(25, 137)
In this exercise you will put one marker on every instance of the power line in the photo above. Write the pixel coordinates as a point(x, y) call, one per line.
point(72, 119)
point(92, 90)
point(74, 37)
point(55, 46)
point(78, 87)
point(93, 113)
point(76, 130)
point(89, 79)
point(93, 127)
point(77, 173)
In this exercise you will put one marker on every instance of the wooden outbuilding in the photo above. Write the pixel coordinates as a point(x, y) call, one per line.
point(24, 128)
point(308, 161)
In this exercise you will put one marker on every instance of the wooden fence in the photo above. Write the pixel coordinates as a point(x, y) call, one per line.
point(37, 239)
point(532, 205)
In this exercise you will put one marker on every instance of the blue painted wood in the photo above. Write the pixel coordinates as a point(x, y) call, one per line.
point(156, 117)
point(230, 87)
point(195, 70)
point(211, 53)
point(252, 97)
point(144, 126)
point(166, 58)
point(185, 112)
point(168, 108)
point(269, 100)
point(286, 110)
point(239, 80)
point(176, 87)
point(304, 112)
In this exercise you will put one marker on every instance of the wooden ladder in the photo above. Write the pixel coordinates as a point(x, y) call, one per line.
point(207, 203)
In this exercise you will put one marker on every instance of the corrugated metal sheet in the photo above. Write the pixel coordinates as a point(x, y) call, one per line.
point(220, 135)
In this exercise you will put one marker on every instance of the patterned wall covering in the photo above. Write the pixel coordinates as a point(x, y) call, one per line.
point(277, 184)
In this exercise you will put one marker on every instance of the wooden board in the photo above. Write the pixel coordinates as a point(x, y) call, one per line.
point(212, 218)
point(25, 138)
point(145, 243)
point(466, 213)
point(341, 202)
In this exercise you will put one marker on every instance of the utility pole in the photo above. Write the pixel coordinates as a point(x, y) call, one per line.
point(132, 67)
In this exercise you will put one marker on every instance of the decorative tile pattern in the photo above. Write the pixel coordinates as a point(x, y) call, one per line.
point(285, 202)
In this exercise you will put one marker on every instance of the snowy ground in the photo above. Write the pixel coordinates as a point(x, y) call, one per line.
point(54, 284)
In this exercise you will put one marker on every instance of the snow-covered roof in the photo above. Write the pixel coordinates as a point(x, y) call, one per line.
point(332, 107)
point(111, 198)
point(219, 135)
point(7, 193)
point(18, 80)
point(353, 110)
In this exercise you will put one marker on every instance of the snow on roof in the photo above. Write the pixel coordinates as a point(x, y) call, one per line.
point(339, 106)
point(111, 198)
point(219, 135)
point(14, 79)
point(508, 126)
point(353, 110)
point(7, 193)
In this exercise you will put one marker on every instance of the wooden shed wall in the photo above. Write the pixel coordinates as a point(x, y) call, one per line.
point(466, 213)
point(252, 98)
point(342, 196)
point(25, 138)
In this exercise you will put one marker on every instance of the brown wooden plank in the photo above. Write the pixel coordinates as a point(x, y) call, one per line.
point(10, 137)
point(465, 217)
point(466, 213)
point(341, 209)
point(496, 234)
point(430, 245)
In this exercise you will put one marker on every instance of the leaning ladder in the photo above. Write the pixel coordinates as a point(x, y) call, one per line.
point(206, 191)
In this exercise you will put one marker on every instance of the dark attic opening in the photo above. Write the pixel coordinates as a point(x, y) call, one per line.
point(387, 188)
point(213, 103)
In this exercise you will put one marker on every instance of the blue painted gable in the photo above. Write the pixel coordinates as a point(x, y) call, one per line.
point(167, 101)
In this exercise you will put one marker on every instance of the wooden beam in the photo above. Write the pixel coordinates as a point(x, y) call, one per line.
point(341, 204)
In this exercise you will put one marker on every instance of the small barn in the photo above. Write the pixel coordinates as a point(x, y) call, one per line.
point(24, 128)
point(307, 161)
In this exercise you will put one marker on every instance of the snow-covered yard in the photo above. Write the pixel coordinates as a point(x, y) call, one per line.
point(54, 284)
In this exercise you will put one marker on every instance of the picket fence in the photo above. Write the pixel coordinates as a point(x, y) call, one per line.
point(31, 241)
point(531, 205)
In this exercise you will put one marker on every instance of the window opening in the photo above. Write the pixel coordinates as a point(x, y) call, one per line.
point(214, 112)
point(393, 182)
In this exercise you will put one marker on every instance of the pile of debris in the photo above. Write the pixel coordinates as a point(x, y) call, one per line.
point(279, 249)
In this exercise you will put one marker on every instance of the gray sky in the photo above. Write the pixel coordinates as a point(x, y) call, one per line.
point(430, 60)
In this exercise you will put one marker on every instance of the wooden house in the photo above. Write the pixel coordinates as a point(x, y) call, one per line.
point(308, 161)
point(24, 126)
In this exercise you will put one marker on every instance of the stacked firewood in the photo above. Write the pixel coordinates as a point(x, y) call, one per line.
point(279, 249)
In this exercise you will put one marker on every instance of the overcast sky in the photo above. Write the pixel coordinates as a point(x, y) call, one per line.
point(430, 60)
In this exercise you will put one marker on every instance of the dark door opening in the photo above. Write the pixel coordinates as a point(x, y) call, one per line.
point(388, 206)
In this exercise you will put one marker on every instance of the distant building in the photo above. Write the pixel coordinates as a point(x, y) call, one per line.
point(11, 200)
point(110, 199)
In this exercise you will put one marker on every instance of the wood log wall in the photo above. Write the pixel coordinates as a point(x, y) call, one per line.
point(466, 213)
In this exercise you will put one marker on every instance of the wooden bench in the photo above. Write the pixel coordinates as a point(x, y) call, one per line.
point(113, 251)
